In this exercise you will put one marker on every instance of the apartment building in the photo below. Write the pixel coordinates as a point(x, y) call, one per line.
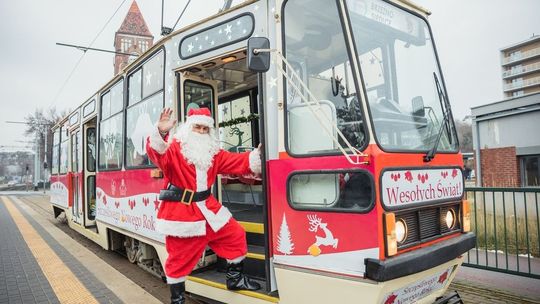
point(520, 64)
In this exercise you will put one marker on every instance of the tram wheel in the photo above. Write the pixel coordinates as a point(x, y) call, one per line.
point(132, 247)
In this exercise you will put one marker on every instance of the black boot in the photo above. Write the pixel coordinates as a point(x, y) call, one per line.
point(177, 293)
point(237, 280)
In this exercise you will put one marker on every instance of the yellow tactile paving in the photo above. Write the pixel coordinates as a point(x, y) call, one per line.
point(65, 284)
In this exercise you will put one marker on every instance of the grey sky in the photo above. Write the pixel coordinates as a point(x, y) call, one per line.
point(468, 33)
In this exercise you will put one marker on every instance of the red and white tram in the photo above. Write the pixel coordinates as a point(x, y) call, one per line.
point(361, 198)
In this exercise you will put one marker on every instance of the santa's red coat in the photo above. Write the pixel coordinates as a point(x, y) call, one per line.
point(181, 220)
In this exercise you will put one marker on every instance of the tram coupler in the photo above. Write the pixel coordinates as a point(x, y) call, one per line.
point(452, 298)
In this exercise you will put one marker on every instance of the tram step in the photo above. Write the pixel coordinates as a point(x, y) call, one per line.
point(254, 233)
point(253, 264)
point(215, 279)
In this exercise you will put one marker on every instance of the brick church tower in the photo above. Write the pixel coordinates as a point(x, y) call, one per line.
point(132, 37)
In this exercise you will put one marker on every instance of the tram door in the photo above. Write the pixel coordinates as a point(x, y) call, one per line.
point(89, 173)
point(197, 92)
point(77, 208)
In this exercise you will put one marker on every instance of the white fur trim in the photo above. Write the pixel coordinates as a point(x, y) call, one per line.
point(181, 229)
point(200, 120)
point(175, 280)
point(157, 143)
point(217, 220)
point(255, 161)
point(202, 179)
point(237, 260)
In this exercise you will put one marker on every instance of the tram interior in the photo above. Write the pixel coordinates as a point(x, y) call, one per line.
point(237, 99)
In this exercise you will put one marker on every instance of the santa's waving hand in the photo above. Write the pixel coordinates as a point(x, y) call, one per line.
point(189, 215)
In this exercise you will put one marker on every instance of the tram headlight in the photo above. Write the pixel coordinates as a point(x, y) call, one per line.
point(401, 231)
point(465, 216)
point(450, 218)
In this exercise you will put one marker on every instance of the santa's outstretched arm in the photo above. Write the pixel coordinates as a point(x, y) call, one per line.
point(239, 163)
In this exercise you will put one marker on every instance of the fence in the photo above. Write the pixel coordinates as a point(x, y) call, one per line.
point(506, 224)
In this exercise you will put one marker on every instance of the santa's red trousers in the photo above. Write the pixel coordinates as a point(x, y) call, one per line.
point(229, 243)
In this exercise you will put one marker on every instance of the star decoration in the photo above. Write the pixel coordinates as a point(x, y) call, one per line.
point(225, 110)
point(190, 47)
point(242, 112)
point(212, 42)
point(200, 47)
point(228, 29)
point(229, 37)
point(148, 78)
point(273, 82)
point(206, 37)
point(196, 38)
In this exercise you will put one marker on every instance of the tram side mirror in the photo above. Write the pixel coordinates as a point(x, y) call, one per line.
point(258, 62)
point(418, 108)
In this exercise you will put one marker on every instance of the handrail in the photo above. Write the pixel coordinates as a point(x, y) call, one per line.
point(355, 157)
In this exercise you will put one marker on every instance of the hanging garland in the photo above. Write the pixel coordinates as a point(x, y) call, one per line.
point(238, 120)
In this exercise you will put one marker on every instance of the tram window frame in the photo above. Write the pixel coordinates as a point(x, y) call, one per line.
point(313, 207)
point(132, 105)
point(184, 99)
point(363, 125)
point(118, 114)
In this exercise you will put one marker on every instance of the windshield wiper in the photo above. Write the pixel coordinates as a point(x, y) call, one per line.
point(445, 123)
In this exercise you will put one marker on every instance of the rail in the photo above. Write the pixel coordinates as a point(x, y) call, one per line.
point(507, 227)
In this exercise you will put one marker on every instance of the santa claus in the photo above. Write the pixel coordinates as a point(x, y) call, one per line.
point(189, 216)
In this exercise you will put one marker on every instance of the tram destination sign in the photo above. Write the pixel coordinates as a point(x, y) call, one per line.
point(404, 187)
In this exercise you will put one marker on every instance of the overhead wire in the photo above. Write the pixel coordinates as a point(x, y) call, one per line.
point(84, 53)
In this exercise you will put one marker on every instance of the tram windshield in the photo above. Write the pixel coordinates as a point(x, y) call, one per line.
point(315, 46)
point(402, 78)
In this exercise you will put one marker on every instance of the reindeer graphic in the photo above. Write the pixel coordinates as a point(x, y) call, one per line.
point(236, 131)
point(328, 239)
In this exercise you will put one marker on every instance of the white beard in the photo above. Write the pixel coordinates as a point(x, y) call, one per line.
point(198, 149)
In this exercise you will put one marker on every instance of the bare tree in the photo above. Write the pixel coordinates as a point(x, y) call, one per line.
point(39, 124)
point(464, 131)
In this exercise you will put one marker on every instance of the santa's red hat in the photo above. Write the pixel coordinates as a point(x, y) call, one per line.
point(201, 116)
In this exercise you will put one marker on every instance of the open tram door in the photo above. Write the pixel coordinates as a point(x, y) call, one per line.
point(230, 90)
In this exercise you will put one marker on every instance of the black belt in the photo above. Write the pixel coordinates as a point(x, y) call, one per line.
point(185, 196)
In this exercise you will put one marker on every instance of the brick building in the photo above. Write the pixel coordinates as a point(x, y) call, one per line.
point(133, 37)
point(506, 137)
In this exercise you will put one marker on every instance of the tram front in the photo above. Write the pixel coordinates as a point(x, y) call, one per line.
point(366, 184)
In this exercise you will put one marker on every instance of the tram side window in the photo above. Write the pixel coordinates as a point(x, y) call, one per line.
point(64, 150)
point(55, 152)
point(110, 134)
point(236, 136)
point(144, 106)
point(344, 190)
point(316, 49)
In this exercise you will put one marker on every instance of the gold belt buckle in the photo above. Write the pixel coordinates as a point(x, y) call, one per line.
point(192, 193)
